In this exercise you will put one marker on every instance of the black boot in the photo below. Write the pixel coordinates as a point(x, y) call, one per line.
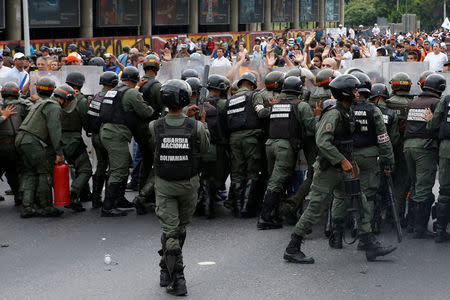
point(174, 262)
point(75, 204)
point(337, 234)
point(293, 252)
point(164, 276)
point(442, 211)
point(112, 191)
point(145, 194)
point(201, 198)
point(85, 193)
point(267, 219)
point(122, 201)
point(410, 216)
point(97, 189)
point(374, 248)
point(421, 218)
point(246, 208)
point(238, 193)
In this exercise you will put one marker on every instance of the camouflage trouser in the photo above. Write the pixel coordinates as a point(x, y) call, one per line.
point(324, 184)
point(36, 179)
point(175, 206)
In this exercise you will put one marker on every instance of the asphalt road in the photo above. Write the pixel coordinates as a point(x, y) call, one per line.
point(64, 259)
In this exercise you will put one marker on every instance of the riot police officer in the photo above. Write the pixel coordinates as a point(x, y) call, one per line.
point(246, 136)
point(178, 142)
point(150, 94)
point(322, 92)
point(289, 118)
point(370, 142)
point(109, 80)
point(421, 151)
point(39, 146)
point(440, 120)
point(399, 101)
point(188, 73)
point(122, 111)
point(333, 166)
point(73, 144)
point(97, 61)
point(13, 111)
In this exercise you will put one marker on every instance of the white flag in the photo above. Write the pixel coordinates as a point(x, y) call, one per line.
point(446, 24)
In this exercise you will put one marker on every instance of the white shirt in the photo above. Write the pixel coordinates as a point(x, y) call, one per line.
point(351, 33)
point(21, 78)
point(388, 32)
point(373, 51)
point(345, 58)
point(221, 62)
point(436, 62)
point(341, 32)
point(376, 30)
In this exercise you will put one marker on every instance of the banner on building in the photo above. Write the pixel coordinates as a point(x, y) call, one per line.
point(251, 11)
point(118, 13)
point(54, 13)
point(309, 11)
point(214, 12)
point(332, 8)
point(171, 12)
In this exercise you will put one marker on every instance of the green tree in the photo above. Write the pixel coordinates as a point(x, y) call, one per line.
point(360, 12)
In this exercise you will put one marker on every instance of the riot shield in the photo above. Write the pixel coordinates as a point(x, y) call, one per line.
point(57, 76)
point(174, 68)
point(258, 67)
point(91, 74)
point(413, 69)
point(372, 66)
point(447, 79)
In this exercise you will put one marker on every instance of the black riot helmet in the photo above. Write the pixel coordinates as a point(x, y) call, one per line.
point(175, 94)
point(217, 82)
point(342, 87)
point(379, 90)
point(364, 83)
point(436, 83)
point(292, 85)
point(130, 73)
point(250, 77)
point(97, 61)
point(195, 84)
point(75, 79)
point(188, 73)
point(109, 78)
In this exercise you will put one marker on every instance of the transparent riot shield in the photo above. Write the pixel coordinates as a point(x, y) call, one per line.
point(447, 79)
point(57, 76)
point(91, 74)
point(413, 69)
point(372, 66)
point(258, 67)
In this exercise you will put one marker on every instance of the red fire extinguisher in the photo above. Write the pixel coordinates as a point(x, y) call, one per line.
point(61, 184)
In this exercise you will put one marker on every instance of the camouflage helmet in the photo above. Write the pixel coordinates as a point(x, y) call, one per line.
point(292, 85)
point(217, 82)
point(45, 86)
point(65, 91)
point(234, 87)
point(324, 77)
point(189, 73)
point(10, 89)
point(274, 81)
point(151, 61)
point(423, 76)
point(400, 82)
point(76, 79)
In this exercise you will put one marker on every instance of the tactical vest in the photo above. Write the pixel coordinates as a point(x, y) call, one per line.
point(10, 127)
point(72, 121)
point(284, 124)
point(146, 91)
point(111, 109)
point(240, 113)
point(444, 129)
point(319, 94)
point(416, 126)
point(93, 116)
point(365, 134)
point(388, 117)
point(212, 119)
point(176, 153)
point(35, 122)
point(343, 138)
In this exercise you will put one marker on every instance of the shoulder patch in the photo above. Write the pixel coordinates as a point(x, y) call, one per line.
point(329, 126)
